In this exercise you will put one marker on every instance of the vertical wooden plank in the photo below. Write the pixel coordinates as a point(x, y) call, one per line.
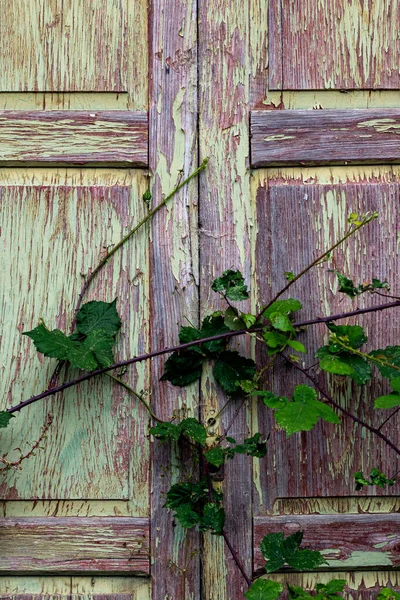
point(275, 45)
point(174, 261)
point(227, 228)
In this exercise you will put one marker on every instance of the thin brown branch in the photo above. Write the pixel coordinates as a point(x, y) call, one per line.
point(388, 418)
point(16, 464)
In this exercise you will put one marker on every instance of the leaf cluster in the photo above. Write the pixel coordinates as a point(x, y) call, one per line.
point(190, 428)
point(376, 478)
point(347, 286)
point(279, 551)
point(253, 446)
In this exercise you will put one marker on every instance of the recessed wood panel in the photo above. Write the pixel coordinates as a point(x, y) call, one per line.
point(55, 226)
point(73, 137)
point(284, 137)
point(301, 214)
point(328, 44)
point(67, 45)
point(78, 545)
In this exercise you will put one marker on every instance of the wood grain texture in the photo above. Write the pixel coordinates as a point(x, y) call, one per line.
point(54, 227)
point(339, 538)
point(300, 214)
point(227, 227)
point(59, 46)
point(362, 49)
point(74, 137)
point(285, 137)
point(77, 545)
point(174, 268)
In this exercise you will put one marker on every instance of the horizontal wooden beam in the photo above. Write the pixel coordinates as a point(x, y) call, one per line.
point(348, 542)
point(308, 137)
point(116, 138)
point(75, 545)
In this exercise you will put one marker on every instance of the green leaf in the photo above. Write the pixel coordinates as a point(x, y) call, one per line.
point(189, 334)
point(335, 586)
point(281, 322)
point(391, 355)
point(388, 594)
point(231, 368)
point(216, 456)
point(283, 307)
point(271, 400)
point(253, 446)
point(264, 589)
point(98, 315)
point(214, 325)
point(166, 431)
point(274, 340)
point(376, 478)
point(395, 383)
point(186, 493)
point(344, 363)
point(81, 357)
point(194, 430)
point(298, 346)
point(346, 286)
point(278, 551)
point(297, 593)
point(248, 319)
point(289, 275)
point(304, 393)
point(5, 418)
point(183, 368)
point(100, 343)
point(186, 516)
point(232, 285)
point(54, 344)
point(233, 321)
point(388, 401)
point(353, 335)
point(213, 518)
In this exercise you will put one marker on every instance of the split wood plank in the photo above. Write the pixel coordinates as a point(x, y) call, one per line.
point(75, 544)
point(346, 541)
point(286, 137)
point(361, 51)
point(174, 269)
point(118, 138)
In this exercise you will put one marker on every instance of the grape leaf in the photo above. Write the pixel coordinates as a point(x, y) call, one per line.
point(183, 368)
point(279, 551)
point(344, 363)
point(231, 368)
point(391, 355)
point(5, 417)
point(54, 344)
point(232, 285)
point(353, 335)
point(98, 315)
point(264, 589)
point(283, 307)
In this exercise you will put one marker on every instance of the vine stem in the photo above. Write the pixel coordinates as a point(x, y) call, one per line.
point(132, 232)
point(54, 390)
point(374, 430)
point(315, 262)
point(135, 393)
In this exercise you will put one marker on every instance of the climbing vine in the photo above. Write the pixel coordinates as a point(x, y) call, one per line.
point(195, 500)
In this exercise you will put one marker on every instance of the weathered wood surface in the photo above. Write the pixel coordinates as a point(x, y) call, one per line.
point(226, 229)
point(174, 268)
point(59, 46)
point(300, 214)
point(361, 50)
point(71, 545)
point(55, 225)
point(284, 137)
point(69, 597)
point(117, 138)
point(346, 541)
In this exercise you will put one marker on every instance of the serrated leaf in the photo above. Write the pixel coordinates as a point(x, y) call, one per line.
point(214, 325)
point(231, 368)
point(272, 550)
point(213, 518)
point(264, 589)
point(215, 456)
point(306, 560)
point(166, 431)
point(279, 551)
point(325, 412)
point(296, 416)
point(281, 322)
point(100, 343)
point(271, 400)
point(183, 368)
point(186, 516)
point(81, 357)
point(188, 334)
point(346, 286)
point(98, 315)
point(194, 430)
point(283, 307)
point(344, 363)
point(304, 393)
point(274, 339)
point(253, 446)
point(233, 321)
point(54, 344)
point(390, 354)
point(353, 334)
point(297, 593)
point(5, 418)
point(334, 586)
point(298, 346)
point(232, 285)
point(388, 594)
